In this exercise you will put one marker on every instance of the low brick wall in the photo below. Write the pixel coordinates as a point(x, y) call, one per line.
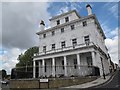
point(52, 83)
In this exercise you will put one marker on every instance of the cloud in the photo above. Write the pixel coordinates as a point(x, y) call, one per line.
point(114, 10)
point(20, 22)
point(9, 59)
point(112, 45)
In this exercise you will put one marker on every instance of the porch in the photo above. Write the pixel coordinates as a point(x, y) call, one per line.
point(80, 64)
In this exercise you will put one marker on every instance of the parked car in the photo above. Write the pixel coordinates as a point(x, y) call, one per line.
point(5, 82)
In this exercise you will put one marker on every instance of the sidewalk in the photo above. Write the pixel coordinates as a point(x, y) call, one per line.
point(94, 83)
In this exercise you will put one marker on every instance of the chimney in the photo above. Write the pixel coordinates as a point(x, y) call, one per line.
point(42, 25)
point(89, 9)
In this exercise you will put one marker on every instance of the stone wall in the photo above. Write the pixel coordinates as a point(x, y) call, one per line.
point(52, 83)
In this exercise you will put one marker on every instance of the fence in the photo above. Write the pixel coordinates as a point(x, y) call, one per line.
point(46, 71)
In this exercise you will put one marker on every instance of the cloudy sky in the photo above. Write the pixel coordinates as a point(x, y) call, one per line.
point(20, 22)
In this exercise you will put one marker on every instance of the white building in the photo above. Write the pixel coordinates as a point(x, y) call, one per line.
point(73, 46)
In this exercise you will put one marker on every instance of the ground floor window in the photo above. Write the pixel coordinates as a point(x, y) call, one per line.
point(75, 63)
point(89, 61)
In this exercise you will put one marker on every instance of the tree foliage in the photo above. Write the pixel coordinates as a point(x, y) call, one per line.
point(3, 73)
point(26, 58)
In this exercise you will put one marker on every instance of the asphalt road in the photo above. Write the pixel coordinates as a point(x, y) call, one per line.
point(114, 82)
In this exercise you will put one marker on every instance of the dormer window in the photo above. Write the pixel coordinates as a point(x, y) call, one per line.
point(58, 22)
point(66, 19)
point(84, 23)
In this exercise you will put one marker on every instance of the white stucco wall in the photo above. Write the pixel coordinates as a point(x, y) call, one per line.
point(72, 16)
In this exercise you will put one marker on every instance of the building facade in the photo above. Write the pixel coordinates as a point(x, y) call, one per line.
point(73, 46)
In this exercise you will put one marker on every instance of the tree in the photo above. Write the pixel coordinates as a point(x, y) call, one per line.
point(4, 74)
point(26, 58)
point(24, 68)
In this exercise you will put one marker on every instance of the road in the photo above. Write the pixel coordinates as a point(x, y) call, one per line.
point(113, 83)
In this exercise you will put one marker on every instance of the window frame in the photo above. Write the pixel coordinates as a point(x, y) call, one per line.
point(84, 23)
point(62, 30)
point(87, 39)
point(72, 27)
point(44, 48)
point(74, 41)
point(63, 44)
point(53, 46)
point(53, 33)
point(44, 35)
point(58, 22)
point(66, 19)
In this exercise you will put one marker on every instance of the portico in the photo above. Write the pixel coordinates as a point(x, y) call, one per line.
point(66, 65)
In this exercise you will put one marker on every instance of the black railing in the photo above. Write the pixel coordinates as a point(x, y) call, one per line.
point(72, 71)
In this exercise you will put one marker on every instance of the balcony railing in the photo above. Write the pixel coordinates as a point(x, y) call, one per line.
point(65, 49)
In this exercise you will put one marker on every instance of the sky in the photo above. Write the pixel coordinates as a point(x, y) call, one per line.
point(20, 22)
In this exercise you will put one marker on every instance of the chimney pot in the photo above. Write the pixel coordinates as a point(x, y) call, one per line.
point(89, 9)
point(42, 25)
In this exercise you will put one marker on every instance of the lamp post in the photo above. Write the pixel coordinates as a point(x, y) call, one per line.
point(103, 69)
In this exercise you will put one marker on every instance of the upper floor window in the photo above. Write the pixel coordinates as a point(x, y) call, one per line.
point(44, 48)
point(72, 27)
point(62, 30)
point(84, 23)
point(74, 42)
point(58, 22)
point(44, 35)
point(53, 46)
point(53, 33)
point(66, 19)
point(87, 39)
point(63, 44)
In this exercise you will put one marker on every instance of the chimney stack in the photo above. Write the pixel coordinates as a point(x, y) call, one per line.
point(42, 25)
point(89, 9)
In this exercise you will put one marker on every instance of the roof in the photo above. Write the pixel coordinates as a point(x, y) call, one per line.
point(64, 14)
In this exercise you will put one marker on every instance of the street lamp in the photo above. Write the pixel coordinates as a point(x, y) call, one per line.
point(103, 68)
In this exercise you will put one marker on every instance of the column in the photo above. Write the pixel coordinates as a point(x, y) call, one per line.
point(43, 67)
point(53, 67)
point(78, 61)
point(93, 59)
point(39, 68)
point(65, 65)
point(34, 70)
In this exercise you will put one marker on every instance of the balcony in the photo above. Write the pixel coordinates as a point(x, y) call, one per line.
point(65, 49)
